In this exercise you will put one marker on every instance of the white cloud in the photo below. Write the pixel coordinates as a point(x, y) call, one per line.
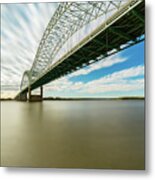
point(107, 62)
point(19, 42)
point(120, 86)
point(118, 76)
point(118, 81)
point(20, 36)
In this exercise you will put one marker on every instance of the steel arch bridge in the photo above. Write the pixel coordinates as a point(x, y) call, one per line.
point(120, 24)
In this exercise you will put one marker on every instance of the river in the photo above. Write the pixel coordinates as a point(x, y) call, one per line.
point(73, 134)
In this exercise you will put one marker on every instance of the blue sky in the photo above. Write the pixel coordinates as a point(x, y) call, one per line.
point(119, 75)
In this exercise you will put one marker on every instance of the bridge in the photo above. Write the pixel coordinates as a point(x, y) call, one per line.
point(112, 26)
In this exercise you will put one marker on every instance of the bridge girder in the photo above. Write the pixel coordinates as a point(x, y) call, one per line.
point(69, 18)
point(66, 21)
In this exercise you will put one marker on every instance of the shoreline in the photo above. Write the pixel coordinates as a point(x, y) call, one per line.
point(83, 99)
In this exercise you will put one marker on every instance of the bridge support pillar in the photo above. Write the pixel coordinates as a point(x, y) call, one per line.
point(22, 97)
point(29, 93)
point(41, 91)
point(34, 98)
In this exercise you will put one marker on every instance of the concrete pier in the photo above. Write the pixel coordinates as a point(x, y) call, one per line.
point(28, 96)
point(33, 98)
point(22, 97)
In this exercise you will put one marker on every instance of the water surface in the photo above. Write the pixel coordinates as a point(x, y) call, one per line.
point(73, 134)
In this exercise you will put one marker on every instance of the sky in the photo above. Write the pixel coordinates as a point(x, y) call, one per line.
point(22, 26)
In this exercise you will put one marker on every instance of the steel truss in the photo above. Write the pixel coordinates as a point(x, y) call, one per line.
point(69, 18)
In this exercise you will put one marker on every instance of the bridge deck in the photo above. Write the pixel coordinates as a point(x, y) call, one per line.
point(126, 30)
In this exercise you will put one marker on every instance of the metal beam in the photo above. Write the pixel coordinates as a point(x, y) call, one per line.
point(56, 35)
point(121, 33)
point(139, 16)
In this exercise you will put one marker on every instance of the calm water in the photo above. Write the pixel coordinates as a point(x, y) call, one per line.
point(73, 134)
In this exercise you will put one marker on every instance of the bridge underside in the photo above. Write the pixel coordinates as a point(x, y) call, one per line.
point(126, 31)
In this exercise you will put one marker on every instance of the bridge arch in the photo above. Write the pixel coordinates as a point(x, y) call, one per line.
point(66, 21)
point(26, 80)
point(71, 17)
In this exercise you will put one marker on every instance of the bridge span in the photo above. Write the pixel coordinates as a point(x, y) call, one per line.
point(122, 25)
